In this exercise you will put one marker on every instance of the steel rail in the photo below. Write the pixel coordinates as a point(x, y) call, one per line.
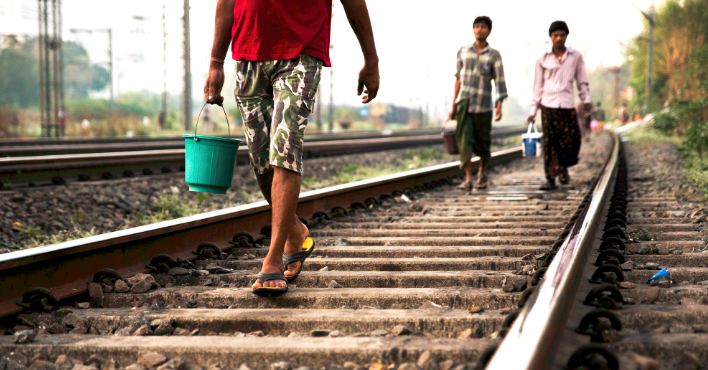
point(66, 268)
point(533, 340)
point(17, 171)
point(38, 169)
point(18, 148)
point(178, 140)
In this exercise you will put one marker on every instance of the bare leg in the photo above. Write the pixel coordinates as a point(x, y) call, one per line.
point(467, 169)
point(265, 183)
point(482, 175)
point(285, 192)
point(298, 231)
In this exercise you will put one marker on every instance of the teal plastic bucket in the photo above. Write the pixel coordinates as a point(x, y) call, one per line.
point(209, 161)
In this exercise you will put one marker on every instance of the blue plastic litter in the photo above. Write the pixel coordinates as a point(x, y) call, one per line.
point(663, 273)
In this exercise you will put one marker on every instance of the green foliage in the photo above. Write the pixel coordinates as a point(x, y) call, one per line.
point(142, 103)
point(37, 238)
point(665, 121)
point(680, 55)
point(697, 171)
point(697, 138)
point(80, 76)
point(685, 118)
point(87, 108)
point(19, 73)
point(412, 159)
point(168, 207)
point(19, 79)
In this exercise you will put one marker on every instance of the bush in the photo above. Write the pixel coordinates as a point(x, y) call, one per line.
point(697, 138)
point(682, 116)
point(665, 121)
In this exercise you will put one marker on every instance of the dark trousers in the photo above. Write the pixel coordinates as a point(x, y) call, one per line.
point(561, 139)
point(474, 133)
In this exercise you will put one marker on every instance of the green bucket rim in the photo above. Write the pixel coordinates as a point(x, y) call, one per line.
point(207, 137)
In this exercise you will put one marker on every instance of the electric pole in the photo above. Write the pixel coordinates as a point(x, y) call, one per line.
point(163, 112)
point(110, 74)
point(187, 71)
point(51, 67)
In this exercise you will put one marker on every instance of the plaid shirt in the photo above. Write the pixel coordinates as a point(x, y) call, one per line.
point(476, 72)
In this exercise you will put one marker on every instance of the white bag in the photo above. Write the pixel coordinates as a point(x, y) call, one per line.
point(531, 142)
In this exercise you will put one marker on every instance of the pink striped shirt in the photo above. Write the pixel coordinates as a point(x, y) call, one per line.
point(553, 85)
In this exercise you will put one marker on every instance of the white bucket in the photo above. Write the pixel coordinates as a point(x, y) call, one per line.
point(531, 142)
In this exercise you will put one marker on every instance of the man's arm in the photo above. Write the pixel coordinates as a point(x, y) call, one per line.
point(358, 16)
point(537, 91)
point(581, 79)
point(222, 39)
point(500, 81)
point(458, 84)
point(451, 115)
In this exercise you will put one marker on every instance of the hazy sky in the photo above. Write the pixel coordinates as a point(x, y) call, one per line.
point(416, 40)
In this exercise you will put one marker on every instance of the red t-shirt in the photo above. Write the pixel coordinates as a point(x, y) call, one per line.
point(281, 29)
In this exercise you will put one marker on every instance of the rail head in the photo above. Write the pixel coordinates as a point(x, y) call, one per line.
point(534, 337)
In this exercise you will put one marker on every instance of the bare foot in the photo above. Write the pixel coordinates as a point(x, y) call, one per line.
point(294, 245)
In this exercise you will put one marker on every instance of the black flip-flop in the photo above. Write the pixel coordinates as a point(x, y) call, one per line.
point(308, 246)
point(264, 291)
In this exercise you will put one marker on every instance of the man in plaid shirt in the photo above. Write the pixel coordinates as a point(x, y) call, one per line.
point(477, 66)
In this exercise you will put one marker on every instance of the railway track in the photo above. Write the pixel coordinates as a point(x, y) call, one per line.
point(408, 273)
point(85, 162)
point(39, 147)
point(31, 148)
point(646, 323)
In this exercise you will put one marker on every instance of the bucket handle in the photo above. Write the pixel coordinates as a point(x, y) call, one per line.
point(228, 125)
point(535, 130)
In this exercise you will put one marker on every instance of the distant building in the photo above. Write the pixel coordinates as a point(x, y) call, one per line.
point(389, 113)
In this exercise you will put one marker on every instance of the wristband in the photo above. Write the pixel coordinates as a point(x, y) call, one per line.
point(217, 60)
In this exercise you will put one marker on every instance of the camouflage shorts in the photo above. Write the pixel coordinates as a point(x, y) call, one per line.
point(275, 99)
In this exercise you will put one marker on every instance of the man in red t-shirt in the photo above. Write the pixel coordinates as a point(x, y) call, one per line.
point(280, 47)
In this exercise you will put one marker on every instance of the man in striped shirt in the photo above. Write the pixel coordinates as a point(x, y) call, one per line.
point(553, 95)
point(477, 66)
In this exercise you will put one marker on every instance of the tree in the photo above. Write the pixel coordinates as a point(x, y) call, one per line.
point(679, 54)
point(19, 73)
point(19, 77)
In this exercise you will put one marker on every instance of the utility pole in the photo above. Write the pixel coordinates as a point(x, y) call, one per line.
point(51, 67)
point(59, 108)
point(163, 112)
point(187, 71)
point(43, 103)
point(651, 18)
point(110, 74)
